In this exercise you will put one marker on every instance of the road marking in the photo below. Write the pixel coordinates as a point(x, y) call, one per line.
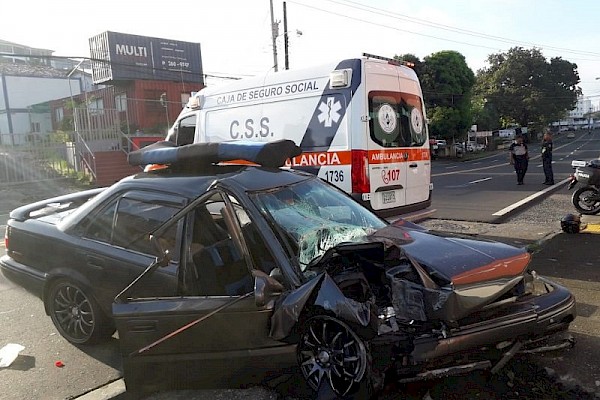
point(452, 166)
point(468, 183)
point(534, 196)
point(481, 180)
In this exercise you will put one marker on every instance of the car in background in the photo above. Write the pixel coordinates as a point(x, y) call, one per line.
point(441, 143)
point(570, 135)
point(214, 272)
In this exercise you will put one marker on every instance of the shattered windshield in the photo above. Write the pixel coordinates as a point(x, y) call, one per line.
point(313, 217)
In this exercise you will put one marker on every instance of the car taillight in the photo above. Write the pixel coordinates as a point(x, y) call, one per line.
point(360, 172)
point(6, 237)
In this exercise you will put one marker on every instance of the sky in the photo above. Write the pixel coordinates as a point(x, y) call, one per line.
point(235, 35)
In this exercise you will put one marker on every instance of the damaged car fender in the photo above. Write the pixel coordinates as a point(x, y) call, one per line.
point(323, 293)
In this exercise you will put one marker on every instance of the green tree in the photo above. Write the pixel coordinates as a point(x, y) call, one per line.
point(447, 83)
point(524, 88)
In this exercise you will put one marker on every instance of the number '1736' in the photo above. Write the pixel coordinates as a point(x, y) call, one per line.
point(334, 176)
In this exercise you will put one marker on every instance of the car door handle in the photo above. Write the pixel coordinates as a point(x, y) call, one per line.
point(414, 165)
point(95, 262)
point(142, 326)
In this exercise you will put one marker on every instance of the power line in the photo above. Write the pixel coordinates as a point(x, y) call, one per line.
point(392, 27)
point(404, 17)
point(460, 30)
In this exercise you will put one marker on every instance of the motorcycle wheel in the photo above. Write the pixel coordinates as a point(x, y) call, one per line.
point(586, 200)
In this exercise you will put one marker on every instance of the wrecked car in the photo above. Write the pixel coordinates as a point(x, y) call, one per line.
point(258, 268)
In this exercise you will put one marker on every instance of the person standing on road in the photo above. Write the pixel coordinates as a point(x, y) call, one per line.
point(519, 157)
point(547, 158)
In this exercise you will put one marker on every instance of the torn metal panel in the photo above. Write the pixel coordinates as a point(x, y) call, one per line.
point(321, 291)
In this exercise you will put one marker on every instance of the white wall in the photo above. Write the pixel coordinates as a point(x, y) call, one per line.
point(25, 91)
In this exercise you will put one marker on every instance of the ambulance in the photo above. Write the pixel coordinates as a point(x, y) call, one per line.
point(360, 122)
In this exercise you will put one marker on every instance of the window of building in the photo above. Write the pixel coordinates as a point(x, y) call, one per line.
point(121, 102)
point(35, 127)
point(96, 106)
point(59, 114)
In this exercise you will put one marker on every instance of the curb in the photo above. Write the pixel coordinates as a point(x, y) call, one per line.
point(510, 210)
point(105, 392)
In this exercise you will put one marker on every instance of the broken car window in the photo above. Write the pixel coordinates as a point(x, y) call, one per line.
point(219, 266)
point(315, 217)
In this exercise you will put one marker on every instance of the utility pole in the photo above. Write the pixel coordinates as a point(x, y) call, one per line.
point(285, 37)
point(274, 34)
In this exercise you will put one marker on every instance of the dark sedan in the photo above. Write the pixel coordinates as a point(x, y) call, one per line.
point(255, 268)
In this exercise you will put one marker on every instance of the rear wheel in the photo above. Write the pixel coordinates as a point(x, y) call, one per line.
point(587, 200)
point(76, 314)
point(330, 353)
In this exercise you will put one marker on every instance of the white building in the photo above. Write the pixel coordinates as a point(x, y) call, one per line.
point(579, 117)
point(23, 88)
point(30, 77)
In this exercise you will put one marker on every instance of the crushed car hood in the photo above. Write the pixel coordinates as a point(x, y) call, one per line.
point(424, 277)
point(462, 261)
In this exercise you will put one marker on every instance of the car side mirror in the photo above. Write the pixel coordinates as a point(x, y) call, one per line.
point(266, 288)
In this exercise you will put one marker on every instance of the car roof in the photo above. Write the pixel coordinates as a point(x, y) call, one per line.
point(192, 184)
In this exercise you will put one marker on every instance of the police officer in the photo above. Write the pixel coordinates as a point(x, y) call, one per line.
point(547, 158)
point(519, 157)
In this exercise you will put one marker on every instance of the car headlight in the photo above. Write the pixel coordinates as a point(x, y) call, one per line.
point(535, 285)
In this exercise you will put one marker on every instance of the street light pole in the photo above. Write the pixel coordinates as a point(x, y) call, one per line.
point(274, 34)
point(285, 37)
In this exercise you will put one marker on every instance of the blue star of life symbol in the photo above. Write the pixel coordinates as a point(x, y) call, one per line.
point(329, 112)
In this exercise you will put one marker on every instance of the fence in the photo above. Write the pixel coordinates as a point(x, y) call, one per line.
point(32, 157)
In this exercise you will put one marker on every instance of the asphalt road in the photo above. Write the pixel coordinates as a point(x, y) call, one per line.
point(484, 189)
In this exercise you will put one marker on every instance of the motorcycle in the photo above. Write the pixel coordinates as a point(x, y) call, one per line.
point(586, 198)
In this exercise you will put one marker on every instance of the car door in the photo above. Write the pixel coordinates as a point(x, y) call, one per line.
point(113, 246)
point(214, 331)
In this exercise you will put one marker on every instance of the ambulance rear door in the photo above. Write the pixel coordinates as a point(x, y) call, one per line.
point(387, 166)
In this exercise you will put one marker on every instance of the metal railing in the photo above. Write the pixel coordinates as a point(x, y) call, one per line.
point(35, 157)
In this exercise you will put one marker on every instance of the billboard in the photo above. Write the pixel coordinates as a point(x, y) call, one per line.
point(119, 56)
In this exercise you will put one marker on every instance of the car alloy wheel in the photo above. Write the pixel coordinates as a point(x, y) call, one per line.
point(330, 352)
point(75, 314)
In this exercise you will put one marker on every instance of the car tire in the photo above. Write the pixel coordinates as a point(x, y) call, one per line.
point(581, 200)
point(76, 314)
point(332, 357)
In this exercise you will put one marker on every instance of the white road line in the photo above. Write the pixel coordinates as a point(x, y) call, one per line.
point(510, 208)
point(452, 166)
point(468, 183)
point(480, 180)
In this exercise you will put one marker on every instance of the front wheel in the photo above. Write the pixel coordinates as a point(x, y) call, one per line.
point(587, 200)
point(330, 353)
point(76, 314)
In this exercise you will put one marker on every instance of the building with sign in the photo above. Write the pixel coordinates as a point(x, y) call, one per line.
point(150, 78)
point(119, 56)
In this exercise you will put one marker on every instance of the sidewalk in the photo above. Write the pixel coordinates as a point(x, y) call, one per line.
point(573, 260)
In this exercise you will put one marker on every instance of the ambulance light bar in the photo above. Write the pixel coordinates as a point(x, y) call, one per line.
point(390, 60)
point(340, 78)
